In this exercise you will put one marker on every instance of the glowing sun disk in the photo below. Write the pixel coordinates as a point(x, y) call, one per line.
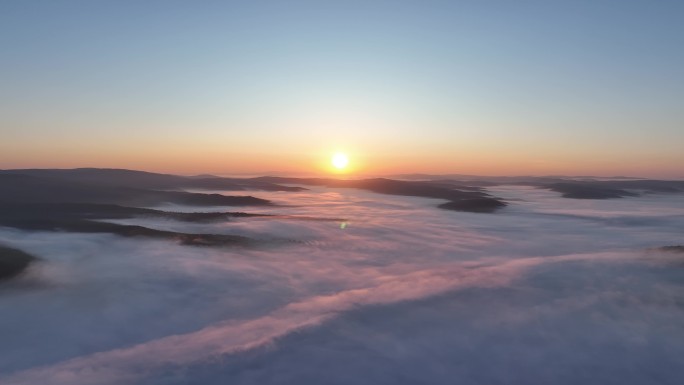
point(340, 161)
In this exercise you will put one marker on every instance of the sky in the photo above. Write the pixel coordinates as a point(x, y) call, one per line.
point(469, 87)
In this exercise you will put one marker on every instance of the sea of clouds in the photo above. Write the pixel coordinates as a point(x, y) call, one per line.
point(350, 287)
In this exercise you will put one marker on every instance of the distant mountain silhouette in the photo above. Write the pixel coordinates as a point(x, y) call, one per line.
point(15, 187)
point(673, 249)
point(17, 212)
point(578, 187)
point(87, 226)
point(78, 200)
point(475, 205)
point(73, 201)
point(602, 189)
point(148, 180)
point(588, 191)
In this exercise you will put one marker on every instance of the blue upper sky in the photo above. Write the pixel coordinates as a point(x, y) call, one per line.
point(458, 86)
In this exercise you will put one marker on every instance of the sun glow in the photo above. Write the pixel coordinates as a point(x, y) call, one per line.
point(340, 161)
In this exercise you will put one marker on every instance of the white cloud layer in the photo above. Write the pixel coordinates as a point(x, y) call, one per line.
point(549, 290)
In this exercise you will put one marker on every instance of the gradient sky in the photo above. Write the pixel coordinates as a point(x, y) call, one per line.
point(475, 87)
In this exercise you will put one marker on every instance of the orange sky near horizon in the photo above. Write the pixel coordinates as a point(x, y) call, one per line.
point(191, 158)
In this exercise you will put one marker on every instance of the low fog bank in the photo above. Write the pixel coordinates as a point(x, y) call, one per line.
point(383, 289)
point(572, 322)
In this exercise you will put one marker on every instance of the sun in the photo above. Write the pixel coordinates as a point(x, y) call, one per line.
point(340, 161)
